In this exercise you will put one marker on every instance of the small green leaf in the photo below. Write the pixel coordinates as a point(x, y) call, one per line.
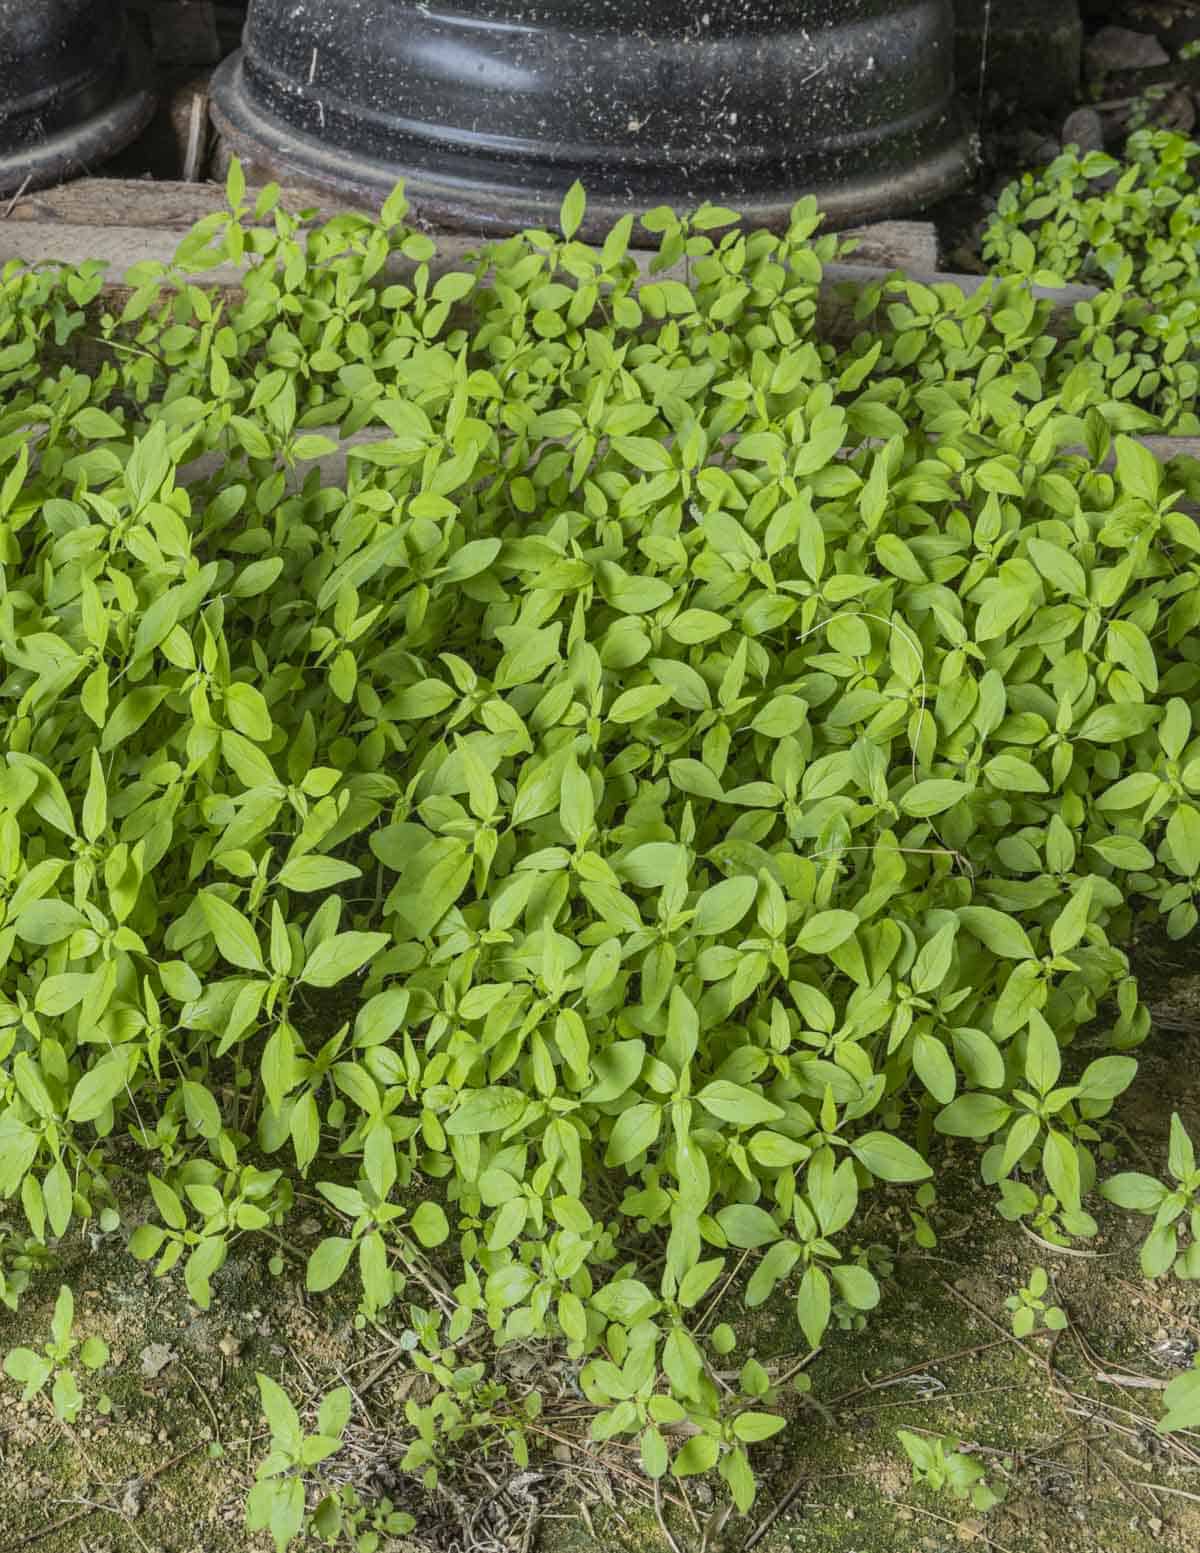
point(889, 1158)
point(813, 1306)
point(1130, 1189)
point(856, 1286)
point(826, 931)
point(746, 1226)
point(723, 906)
point(573, 206)
point(1001, 933)
point(429, 1224)
point(235, 184)
point(697, 1455)
point(341, 956)
point(1061, 1165)
point(973, 1116)
point(327, 1263)
point(235, 937)
point(1182, 1401)
point(736, 1104)
point(487, 1110)
point(934, 796)
point(313, 873)
point(98, 1087)
point(653, 1452)
point(755, 1427)
point(201, 1109)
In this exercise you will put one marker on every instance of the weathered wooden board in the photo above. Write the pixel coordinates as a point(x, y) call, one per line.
point(122, 246)
point(122, 202)
point(334, 466)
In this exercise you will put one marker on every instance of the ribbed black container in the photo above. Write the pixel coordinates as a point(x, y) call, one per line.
point(71, 93)
point(490, 109)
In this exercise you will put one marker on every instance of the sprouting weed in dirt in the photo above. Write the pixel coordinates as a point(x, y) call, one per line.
point(285, 1480)
point(20, 1256)
point(32, 1369)
point(922, 1231)
point(1030, 1310)
point(939, 1466)
point(1173, 1244)
point(344, 1518)
point(627, 1390)
point(466, 1404)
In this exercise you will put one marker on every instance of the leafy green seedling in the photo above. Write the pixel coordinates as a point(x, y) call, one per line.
point(939, 1466)
point(1174, 1209)
point(1030, 1310)
point(366, 1525)
point(276, 1503)
point(32, 1369)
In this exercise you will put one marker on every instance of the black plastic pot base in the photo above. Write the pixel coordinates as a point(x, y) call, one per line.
point(460, 199)
point(79, 150)
point(488, 110)
point(72, 90)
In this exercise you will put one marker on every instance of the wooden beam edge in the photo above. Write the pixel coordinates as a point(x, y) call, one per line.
point(121, 247)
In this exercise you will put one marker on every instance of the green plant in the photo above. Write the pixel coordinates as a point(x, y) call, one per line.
point(1146, 105)
point(922, 1231)
point(466, 1405)
point(1092, 215)
point(722, 1422)
point(1030, 1310)
point(277, 1502)
point(1181, 1399)
point(1132, 228)
point(1174, 1209)
point(938, 1465)
point(32, 1369)
point(20, 1256)
point(361, 1524)
point(607, 820)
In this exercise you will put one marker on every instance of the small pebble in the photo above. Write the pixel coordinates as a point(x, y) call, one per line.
point(131, 1499)
point(1118, 48)
point(1084, 129)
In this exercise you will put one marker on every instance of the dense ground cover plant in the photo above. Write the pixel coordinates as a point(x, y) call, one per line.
point(1132, 228)
point(678, 772)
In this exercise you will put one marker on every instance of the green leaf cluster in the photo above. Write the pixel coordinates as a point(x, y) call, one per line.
point(1130, 227)
point(32, 1368)
point(1030, 1310)
point(939, 1466)
point(277, 1503)
point(1173, 1244)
